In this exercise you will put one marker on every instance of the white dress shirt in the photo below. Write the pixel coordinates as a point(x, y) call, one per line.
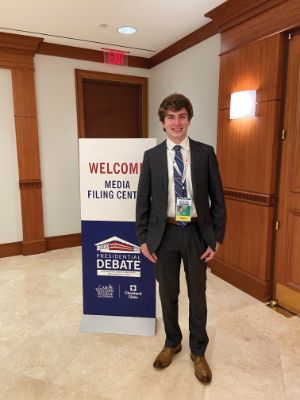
point(185, 151)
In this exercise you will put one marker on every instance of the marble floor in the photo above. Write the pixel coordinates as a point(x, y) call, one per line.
point(254, 352)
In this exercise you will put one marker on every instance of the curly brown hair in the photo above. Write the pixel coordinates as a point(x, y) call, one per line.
point(175, 102)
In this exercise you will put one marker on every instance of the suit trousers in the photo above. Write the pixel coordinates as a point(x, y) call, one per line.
point(183, 243)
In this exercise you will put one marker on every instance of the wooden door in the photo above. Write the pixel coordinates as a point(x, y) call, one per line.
point(110, 105)
point(111, 109)
point(287, 255)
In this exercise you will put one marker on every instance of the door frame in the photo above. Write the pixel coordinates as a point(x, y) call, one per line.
point(286, 296)
point(142, 82)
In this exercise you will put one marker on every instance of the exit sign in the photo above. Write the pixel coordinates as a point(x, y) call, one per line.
point(115, 57)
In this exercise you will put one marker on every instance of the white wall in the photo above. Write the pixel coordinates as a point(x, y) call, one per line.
point(194, 73)
point(58, 136)
point(10, 206)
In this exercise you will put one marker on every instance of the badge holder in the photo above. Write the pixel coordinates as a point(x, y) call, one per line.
point(183, 209)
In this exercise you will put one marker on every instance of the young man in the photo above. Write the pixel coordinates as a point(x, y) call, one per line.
point(180, 215)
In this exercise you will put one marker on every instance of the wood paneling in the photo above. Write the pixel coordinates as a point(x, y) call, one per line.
point(289, 298)
point(79, 53)
point(32, 214)
point(287, 258)
point(16, 53)
point(246, 69)
point(28, 162)
point(283, 17)
point(27, 148)
point(112, 109)
point(234, 12)
point(82, 75)
point(292, 272)
point(247, 247)
point(185, 43)
point(247, 149)
point(24, 93)
point(261, 290)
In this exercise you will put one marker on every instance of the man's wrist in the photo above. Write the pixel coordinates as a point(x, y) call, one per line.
point(216, 247)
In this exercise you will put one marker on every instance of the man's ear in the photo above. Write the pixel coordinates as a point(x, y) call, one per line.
point(163, 125)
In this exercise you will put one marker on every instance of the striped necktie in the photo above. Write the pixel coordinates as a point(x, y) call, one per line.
point(180, 187)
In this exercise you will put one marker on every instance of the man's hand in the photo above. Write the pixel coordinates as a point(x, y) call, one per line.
point(151, 257)
point(209, 253)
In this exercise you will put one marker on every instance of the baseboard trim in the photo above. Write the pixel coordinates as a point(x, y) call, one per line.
point(11, 249)
point(34, 247)
point(63, 241)
point(260, 290)
point(40, 246)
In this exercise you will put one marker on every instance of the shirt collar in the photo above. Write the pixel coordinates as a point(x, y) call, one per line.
point(185, 144)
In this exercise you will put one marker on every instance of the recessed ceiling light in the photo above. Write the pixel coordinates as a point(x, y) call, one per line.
point(127, 30)
point(103, 26)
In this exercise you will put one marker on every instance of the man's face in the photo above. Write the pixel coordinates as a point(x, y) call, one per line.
point(176, 124)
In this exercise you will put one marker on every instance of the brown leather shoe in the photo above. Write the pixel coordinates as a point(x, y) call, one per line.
point(202, 370)
point(164, 358)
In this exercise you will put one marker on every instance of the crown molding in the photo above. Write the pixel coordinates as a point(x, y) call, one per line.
point(80, 53)
point(199, 35)
point(20, 44)
point(234, 12)
point(17, 51)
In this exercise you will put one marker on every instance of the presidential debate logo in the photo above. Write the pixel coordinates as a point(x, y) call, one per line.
point(117, 257)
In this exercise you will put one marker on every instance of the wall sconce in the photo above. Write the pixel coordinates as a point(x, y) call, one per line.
point(242, 104)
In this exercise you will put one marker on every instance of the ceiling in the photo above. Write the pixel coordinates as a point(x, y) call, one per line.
point(159, 23)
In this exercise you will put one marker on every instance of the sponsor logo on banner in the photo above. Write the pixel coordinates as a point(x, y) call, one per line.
point(105, 291)
point(133, 293)
point(117, 257)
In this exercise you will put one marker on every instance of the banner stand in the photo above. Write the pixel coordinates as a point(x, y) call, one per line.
point(124, 325)
point(118, 281)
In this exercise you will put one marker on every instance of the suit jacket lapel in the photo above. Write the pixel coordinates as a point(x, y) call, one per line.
point(164, 165)
point(194, 155)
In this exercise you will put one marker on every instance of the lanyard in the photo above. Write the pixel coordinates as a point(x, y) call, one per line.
point(185, 168)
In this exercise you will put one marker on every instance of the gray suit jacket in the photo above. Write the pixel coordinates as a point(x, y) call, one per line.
point(152, 196)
